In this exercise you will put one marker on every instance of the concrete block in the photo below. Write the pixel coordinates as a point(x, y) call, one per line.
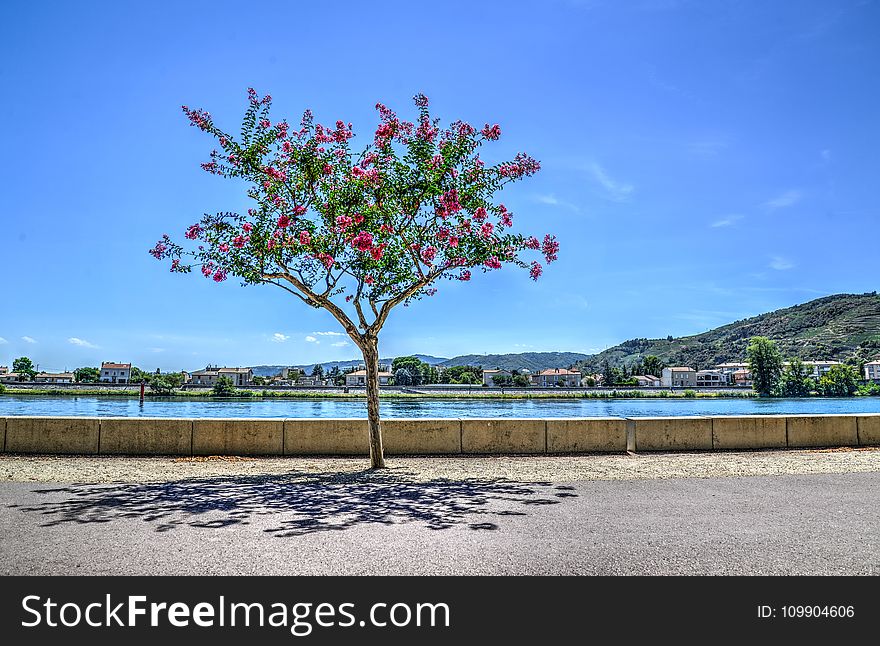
point(749, 432)
point(503, 435)
point(238, 436)
point(73, 435)
point(592, 434)
point(146, 436)
point(822, 430)
point(3, 426)
point(422, 436)
point(869, 429)
point(673, 433)
point(326, 437)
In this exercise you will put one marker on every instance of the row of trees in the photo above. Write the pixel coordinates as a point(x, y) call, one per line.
point(771, 377)
point(624, 376)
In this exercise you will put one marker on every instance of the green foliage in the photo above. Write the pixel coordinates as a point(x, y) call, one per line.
point(869, 389)
point(419, 371)
point(652, 365)
point(452, 374)
point(318, 371)
point(468, 378)
point(765, 364)
point(138, 375)
point(165, 384)
point(839, 381)
point(402, 377)
point(690, 394)
point(25, 369)
point(87, 375)
point(591, 383)
point(223, 388)
point(521, 381)
point(2, 389)
point(534, 361)
point(258, 380)
point(502, 380)
point(796, 380)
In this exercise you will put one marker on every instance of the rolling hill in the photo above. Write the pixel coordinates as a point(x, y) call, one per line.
point(842, 327)
point(533, 361)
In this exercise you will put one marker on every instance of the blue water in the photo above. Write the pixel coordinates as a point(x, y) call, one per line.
point(91, 406)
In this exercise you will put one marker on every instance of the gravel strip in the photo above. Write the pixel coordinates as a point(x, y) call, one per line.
point(111, 469)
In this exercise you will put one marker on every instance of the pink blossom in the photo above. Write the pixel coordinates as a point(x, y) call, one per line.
point(326, 259)
point(210, 167)
point(284, 221)
point(343, 221)
point(369, 280)
point(442, 233)
point(193, 232)
point(175, 265)
point(493, 263)
point(522, 165)
point(453, 241)
point(199, 118)
point(327, 169)
point(299, 209)
point(386, 228)
point(486, 229)
point(421, 100)
point(287, 146)
point(536, 270)
point(491, 132)
point(428, 254)
point(363, 241)
point(224, 248)
point(208, 269)
point(273, 242)
point(480, 214)
point(305, 238)
point(240, 241)
point(449, 202)
point(348, 298)
point(247, 226)
point(377, 251)
point(465, 275)
point(265, 124)
point(550, 248)
point(219, 276)
point(532, 243)
point(158, 251)
point(505, 217)
point(275, 173)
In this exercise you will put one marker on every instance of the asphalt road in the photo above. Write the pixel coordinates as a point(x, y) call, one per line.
point(373, 524)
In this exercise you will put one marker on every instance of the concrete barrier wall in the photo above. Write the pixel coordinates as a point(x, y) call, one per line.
point(751, 432)
point(586, 435)
point(673, 433)
point(73, 435)
point(868, 427)
point(503, 436)
point(237, 436)
point(822, 430)
point(146, 436)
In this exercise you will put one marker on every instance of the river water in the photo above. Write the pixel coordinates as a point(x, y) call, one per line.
point(97, 406)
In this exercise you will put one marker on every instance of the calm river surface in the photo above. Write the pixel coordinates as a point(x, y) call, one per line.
point(92, 406)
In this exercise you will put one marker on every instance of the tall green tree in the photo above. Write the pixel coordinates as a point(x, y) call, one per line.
point(765, 364)
point(796, 380)
point(25, 369)
point(609, 378)
point(416, 368)
point(839, 381)
point(358, 232)
point(223, 387)
point(165, 383)
point(87, 375)
point(138, 375)
point(318, 371)
point(653, 365)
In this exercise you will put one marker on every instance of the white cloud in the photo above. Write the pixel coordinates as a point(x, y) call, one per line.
point(726, 221)
point(783, 200)
point(80, 342)
point(2, 340)
point(339, 344)
point(780, 264)
point(279, 338)
point(614, 190)
point(551, 200)
point(312, 339)
point(157, 349)
point(28, 339)
point(328, 333)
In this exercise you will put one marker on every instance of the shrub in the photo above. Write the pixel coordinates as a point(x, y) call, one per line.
point(2, 389)
point(223, 388)
point(690, 393)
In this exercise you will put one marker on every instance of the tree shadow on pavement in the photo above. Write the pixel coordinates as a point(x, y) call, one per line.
point(303, 503)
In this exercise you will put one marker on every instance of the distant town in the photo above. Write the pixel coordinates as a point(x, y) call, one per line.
point(410, 371)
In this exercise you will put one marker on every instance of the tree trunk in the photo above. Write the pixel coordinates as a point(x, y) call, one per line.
point(371, 361)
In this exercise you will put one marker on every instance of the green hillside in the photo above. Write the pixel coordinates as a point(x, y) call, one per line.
point(533, 361)
point(845, 327)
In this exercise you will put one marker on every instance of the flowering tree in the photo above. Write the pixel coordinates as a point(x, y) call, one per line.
point(357, 233)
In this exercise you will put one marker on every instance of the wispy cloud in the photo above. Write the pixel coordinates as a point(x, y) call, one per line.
point(312, 339)
point(551, 200)
point(780, 264)
point(80, 342)
point(328, 333)
point(783, 200)
point(28, 339)
point(157, 349)
point(2, 340)
point(339, 344)
point(612, 189)
point(279, 338)
point(726, 221)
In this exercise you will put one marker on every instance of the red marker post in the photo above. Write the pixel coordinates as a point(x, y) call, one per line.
point(142, 390)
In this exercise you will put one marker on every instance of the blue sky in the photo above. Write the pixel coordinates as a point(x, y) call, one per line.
point(702, 162)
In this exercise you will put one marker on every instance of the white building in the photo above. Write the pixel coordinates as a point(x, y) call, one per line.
point(647, 381)
point(359, 378)
point(712, 378)
point(54, 378)
point(730, 368)
point(557, 377)
point(211, 375)
point(872, 370)
point(488, 375)
point(678, 377)
point(4, 370)
point(115, 373)
point(820, 368)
